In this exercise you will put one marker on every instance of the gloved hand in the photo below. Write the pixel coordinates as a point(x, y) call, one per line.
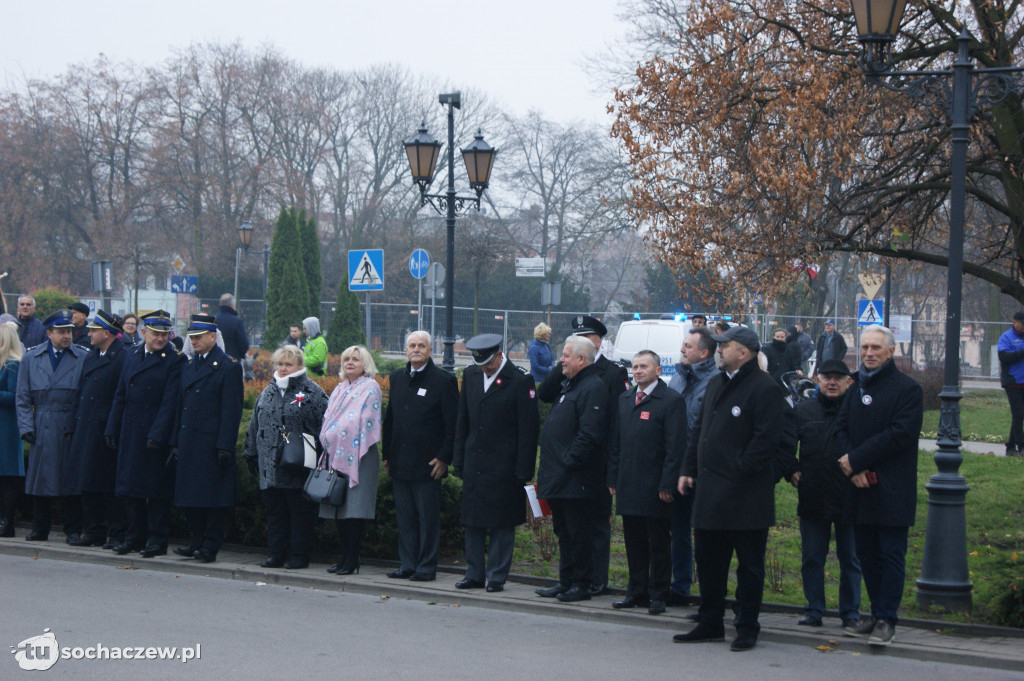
point(224, 457)
point(250, 461)
point(172, 458)
point(111, 441)
point(153, 445)
point(29, 438)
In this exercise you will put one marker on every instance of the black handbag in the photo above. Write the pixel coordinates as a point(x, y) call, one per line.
point(294, 449)
point(326, 485)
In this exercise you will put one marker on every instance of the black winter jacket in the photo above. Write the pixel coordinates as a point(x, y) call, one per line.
point(572, 442)
point(824, 492)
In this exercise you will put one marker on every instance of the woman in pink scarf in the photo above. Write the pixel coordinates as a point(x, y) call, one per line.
point(350, 435)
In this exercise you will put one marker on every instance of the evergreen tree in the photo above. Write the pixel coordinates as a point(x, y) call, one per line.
point(347, 323)
point(287, 291)
point(311, 262)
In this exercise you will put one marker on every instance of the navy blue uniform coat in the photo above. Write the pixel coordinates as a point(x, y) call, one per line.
point(210, 411)
point(100, 376)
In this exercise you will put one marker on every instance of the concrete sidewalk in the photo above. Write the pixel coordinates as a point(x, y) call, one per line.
point(981, 646)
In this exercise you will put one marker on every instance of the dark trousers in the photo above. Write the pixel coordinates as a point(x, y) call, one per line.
point(682, 543)
point(601, 534)
point(883, 554)
point(350, 537)
point(206, 528)
point(290, 522)
point(713, 550)
point(418, 512)
point(103, 516)
point(498, 554)
point(649, 555)
point(149, 522)
point(573, 523)
point(71, 510)
point(1015, 396)
point(11, 487)
point(814, 538)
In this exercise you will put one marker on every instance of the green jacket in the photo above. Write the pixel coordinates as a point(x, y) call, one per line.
point(315, 354)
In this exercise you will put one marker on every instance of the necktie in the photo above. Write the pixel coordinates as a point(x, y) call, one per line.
point(639, 396)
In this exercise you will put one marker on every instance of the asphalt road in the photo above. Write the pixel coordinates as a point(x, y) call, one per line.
point(252, 632)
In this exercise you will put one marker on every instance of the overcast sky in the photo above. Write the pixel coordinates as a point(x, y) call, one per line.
point(529, 54)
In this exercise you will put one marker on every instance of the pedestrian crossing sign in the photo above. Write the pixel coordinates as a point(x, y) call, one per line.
point(870, 312)
point(366, 270)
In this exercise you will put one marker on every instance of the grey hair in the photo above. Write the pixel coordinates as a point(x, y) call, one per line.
point(20, 298)
point(227, 299)
point(582, 347)
point(890, 339)
point(425, 335)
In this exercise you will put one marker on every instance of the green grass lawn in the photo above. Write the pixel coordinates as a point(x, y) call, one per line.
point(995, 542)
point(984, 417)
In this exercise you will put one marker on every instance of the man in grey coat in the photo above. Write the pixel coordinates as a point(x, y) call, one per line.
point(691, 381)
point(45, 403)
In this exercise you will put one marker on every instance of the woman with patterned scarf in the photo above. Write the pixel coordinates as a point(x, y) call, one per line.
point(350, 435)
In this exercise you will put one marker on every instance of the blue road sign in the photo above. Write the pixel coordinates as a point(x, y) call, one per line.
point(419, 261)
point(184, 283)
point(366, 270)
point(870, 312)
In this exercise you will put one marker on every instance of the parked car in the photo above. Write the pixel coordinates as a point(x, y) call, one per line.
point(663, 336)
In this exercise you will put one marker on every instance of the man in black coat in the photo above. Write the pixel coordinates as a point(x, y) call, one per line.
point(141, 422)
point(824, 496)
point(31, 333)
point(616, 381)
point(831, 345)
point(209, 413)
point(103, 516)
point(417, 438)
point(731, 456)
point(647, 442)
point(232, 328)
point(573, 468)
point(495, 451)
point(79, 316)
point(876, 441)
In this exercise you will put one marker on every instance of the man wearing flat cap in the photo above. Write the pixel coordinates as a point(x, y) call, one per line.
point(102, 515)
point(825, 500)
point(140, 426)
point(730, 456)
point(79, 316)
point(1011, 377)
point(495, 450)
point(209, 412)
point(616, 380)
point(45, 404)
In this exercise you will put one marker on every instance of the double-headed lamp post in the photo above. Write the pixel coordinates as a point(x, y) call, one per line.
point(944, 579)
point(423, 151)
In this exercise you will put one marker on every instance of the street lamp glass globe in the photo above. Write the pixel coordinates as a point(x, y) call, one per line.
point(245, 234)
point(422, 150)
point(479, 158)
point(878, 19)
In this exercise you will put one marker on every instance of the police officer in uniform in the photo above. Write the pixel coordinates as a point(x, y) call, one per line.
point(102, 515)
point(495, 451)
point(616, 379)
point(141, 420)
point(210, 410)
point(45, 405)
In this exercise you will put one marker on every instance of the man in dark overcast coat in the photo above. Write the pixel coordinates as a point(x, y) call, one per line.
point(232, 328)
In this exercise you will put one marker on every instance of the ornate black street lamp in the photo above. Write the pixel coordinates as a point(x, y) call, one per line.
point(423, 150)
point(944, 579)
point(244, 239)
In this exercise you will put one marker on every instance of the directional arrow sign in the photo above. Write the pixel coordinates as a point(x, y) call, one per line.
point(366, 270)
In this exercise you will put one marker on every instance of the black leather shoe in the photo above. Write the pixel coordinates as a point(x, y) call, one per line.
point(342, 570)
point(84, 540)
point(273, 563)
point(399, 574)
point(467, 583)
point(296, 565)
point(152, 550)
point(6, 528)
point(630, 602)
point(742, 642)
point(73, 538)
point(656, 608)
point(36, 536)
point(598, 589)
point(334, 568)
point(495, 587)
point(552, 591)
point(204, 556)
point(422, 578)
point(183, 551)
point(809, 621)
point(121, 549)
point(110, 543)
point(700, 634)
point(575, 594)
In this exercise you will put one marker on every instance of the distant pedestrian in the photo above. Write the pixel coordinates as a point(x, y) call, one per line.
point(699, 320)
point(294, 337)
point(541, 359)
point(831, 345)
point(1011, 377)
point(315, 348)
point(32, 332)
point(79, 316)
point(232, 328)
point(783, 357)
point(806, 344)
point(131, 335)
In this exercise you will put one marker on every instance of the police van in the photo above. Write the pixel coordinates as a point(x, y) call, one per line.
point(663, 336)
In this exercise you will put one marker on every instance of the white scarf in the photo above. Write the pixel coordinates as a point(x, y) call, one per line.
point(282, 381)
